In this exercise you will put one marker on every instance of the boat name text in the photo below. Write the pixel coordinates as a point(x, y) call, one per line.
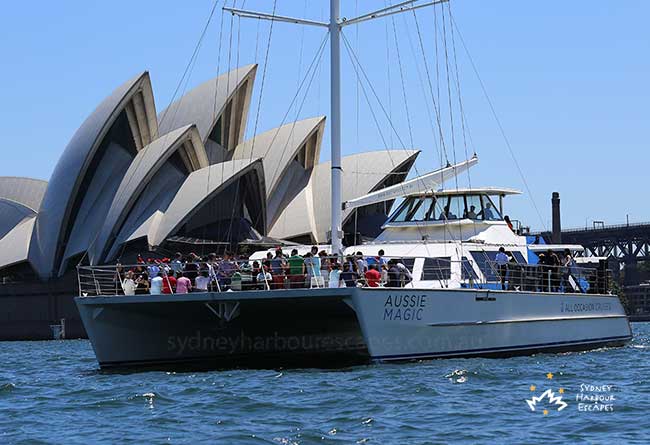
point(404, 307)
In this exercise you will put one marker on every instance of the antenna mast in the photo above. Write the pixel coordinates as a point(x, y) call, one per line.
point(335, 27)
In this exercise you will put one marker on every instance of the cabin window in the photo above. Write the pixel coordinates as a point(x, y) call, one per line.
point(467, 271)
point(490, 212)
point(405, 209)
point(423, 211)
point(436, 269)
point(472, 207)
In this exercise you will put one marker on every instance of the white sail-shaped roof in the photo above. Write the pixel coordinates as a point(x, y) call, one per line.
point(204, 104)
point(185, 142)
point(199, 188)
point(108, 139)
point(309, 212)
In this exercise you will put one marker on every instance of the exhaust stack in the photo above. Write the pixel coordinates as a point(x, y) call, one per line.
point(556, 234)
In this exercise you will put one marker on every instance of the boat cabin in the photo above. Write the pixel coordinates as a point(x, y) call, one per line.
point(428, 216)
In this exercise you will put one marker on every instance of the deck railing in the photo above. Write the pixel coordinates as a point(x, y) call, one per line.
point(240, 275)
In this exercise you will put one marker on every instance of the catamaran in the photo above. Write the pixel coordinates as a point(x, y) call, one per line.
point(460, 300)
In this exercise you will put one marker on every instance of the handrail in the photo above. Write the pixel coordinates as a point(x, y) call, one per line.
point(274, 274)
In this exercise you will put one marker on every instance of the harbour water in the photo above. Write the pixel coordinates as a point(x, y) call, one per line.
point(53, 392)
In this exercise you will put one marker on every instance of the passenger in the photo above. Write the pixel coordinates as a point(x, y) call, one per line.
point(380, 259)
point(266, 264)
point(129, 285)
point(141, 281)
point(471, 214)
point(335, 276)
point(394, 274)
point(177, 263)
point(550, 266)
point(502, 266)
point(246, 275)
point(191, 268)
point(373, 277)
point(405, 274)
point(296, 269)
point(156, 284)
point(349, 276)
point(202, 282)
point(278, 263)
point(212, 267)
point(183, 284)
point(153, 268)
point(568, 264)
point(487, 213)
point(324, 263)
point(383, 270)
point(507, 220)
point(169, 284)
point(312, 266)
point(227, 269)
point(361, 264)
point(264, 279)
point(554, 263)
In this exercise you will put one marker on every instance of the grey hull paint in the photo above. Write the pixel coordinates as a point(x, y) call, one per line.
point(299, 327)
point(278, 328)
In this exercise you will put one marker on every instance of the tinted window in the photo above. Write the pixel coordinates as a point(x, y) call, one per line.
point(405, 209)
point(473, 206)
point(436, 269)
point(490, 211)
point(467, 271)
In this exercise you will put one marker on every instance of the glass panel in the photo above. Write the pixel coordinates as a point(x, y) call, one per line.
point(439, 208)
point(485, 260)
point(467, 271)
point(404, 210)
point(423, 210)
point(456, 207)
point(473, 206)
point(436, 269)
point(490, 212)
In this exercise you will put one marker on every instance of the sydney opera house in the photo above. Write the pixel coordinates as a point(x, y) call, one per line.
point(133, 179)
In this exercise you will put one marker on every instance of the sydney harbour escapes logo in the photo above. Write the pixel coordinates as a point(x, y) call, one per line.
point(548, 400)
point(588, 398)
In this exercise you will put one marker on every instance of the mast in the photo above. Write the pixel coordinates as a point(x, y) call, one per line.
point(335, 26)
point(335, 111)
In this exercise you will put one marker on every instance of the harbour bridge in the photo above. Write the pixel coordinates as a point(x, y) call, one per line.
point(625, 244)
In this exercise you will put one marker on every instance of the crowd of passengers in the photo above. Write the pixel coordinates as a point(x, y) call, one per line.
point(191, 273)
point(553, 273)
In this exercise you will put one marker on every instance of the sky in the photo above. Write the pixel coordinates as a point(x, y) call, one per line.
point(568, 81)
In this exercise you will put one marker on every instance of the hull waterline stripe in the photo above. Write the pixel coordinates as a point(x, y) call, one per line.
point(502, 348)
point(530, 320)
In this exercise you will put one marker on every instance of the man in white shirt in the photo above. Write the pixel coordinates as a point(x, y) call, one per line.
point(128, 285)
point(156, 285)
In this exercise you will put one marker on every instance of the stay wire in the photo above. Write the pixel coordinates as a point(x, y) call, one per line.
point(498, 121)
point(261, 96)
point(357, 67)
point(182, 80)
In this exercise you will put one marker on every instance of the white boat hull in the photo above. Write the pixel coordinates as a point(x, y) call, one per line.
point(403, 324)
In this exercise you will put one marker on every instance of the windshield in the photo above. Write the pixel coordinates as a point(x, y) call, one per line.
point(427, 208)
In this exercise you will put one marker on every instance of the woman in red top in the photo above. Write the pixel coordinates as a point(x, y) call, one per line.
point(373, 276)
point(169, 284)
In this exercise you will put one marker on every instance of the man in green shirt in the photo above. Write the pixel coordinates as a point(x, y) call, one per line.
point(296, 269)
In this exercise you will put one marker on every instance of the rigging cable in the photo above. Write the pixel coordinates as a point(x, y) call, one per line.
point(266, 63)
point(187, 72)
point(357, 67)
point(498, 121)
point(435, 104)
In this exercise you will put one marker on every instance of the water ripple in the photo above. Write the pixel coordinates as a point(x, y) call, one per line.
point(53, 391)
